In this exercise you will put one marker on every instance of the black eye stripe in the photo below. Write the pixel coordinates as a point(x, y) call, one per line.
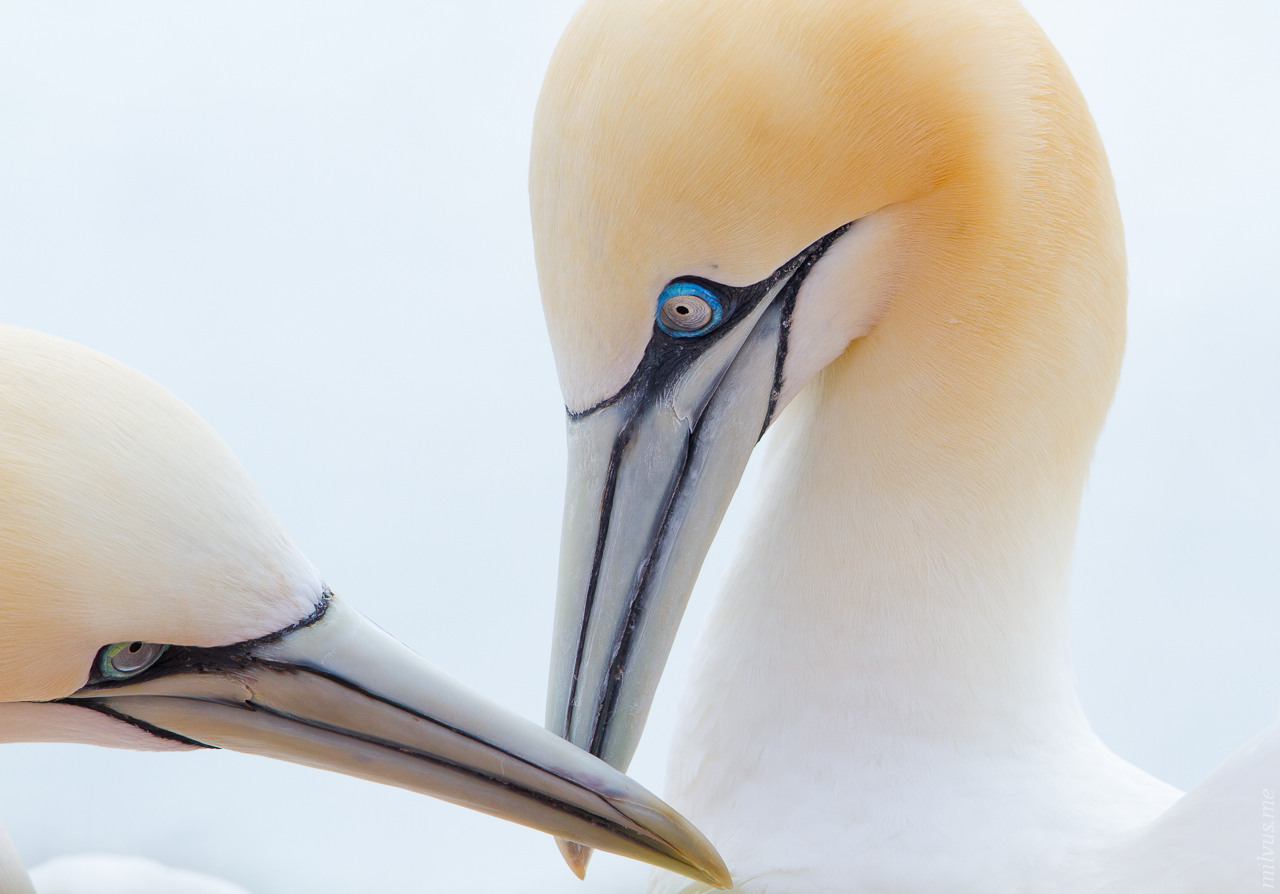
point(666, 356)
point(199, 659)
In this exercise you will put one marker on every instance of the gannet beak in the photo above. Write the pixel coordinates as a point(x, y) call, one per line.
point(650, 477)
point(651, 473)
point(340, 694)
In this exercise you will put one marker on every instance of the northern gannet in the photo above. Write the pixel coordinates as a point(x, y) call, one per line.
point(150, 600)
point(894, 220)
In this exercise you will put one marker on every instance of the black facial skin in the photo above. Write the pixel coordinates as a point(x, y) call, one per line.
point(666, 356)
point(665, 360)
point(226, 660)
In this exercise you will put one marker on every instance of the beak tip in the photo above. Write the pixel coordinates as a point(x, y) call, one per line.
point(576, 856)
point(719, 876)
point(710, 867)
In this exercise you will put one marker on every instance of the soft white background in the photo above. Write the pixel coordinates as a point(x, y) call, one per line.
point(309, 220)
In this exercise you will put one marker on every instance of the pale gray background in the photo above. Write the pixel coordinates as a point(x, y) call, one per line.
point(309, 220)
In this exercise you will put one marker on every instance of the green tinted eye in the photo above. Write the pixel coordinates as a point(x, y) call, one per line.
point(124, 660)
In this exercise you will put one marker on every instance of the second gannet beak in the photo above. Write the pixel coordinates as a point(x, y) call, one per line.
point(337, 693)
point(651, 472)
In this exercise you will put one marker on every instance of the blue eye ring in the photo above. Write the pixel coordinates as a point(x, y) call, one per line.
point(698, 315)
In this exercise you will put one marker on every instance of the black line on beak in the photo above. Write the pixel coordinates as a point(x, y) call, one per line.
point(602, 535)
point(788, 299)
point(474, 773)
point(286, 667)
point(159, 732)
point(608, 700)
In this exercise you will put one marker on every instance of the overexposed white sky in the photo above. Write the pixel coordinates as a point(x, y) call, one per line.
point(309, 220)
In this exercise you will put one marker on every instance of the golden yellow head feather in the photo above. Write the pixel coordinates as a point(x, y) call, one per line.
point(719, 137)
point(123, 516)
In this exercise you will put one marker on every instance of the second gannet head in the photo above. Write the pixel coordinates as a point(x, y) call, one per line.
point(149, 599)
point(901, 206)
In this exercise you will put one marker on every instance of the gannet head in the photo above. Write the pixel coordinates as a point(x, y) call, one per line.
point(149, 599)
point(125, 519)
point(729, 198)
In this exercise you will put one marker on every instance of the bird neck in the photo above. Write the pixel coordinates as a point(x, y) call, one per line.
point(905, 577)
point(874, 605)
point(923, 594)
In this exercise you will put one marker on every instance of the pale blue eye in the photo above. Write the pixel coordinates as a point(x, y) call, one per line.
point(687, 309)
point(123, 660)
